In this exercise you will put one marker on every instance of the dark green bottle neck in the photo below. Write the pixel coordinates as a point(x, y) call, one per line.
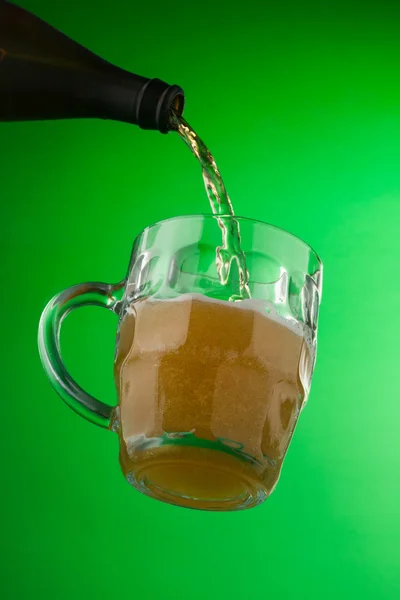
point(46, 75)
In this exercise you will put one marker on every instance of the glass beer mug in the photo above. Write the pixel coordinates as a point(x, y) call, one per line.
point(209, 390)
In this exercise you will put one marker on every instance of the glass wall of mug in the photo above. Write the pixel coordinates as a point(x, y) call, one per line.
point(211, 386)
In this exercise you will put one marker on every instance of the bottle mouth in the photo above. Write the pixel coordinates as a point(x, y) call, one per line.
point(172, 103)
point(157, 101)
point(178, 103)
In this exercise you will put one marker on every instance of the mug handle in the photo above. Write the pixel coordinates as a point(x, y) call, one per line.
point(83, 294)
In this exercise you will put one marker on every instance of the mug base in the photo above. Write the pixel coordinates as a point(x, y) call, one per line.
point(197, 478)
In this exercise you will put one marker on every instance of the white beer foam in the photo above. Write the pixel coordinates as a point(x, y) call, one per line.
point(262, 307)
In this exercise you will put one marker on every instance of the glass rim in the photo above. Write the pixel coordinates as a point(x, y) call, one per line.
point(239, 218)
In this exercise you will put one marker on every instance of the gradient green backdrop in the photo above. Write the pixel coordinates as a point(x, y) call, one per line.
point(301, 106)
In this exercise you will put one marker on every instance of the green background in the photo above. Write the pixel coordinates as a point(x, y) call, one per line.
point(300, 103)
